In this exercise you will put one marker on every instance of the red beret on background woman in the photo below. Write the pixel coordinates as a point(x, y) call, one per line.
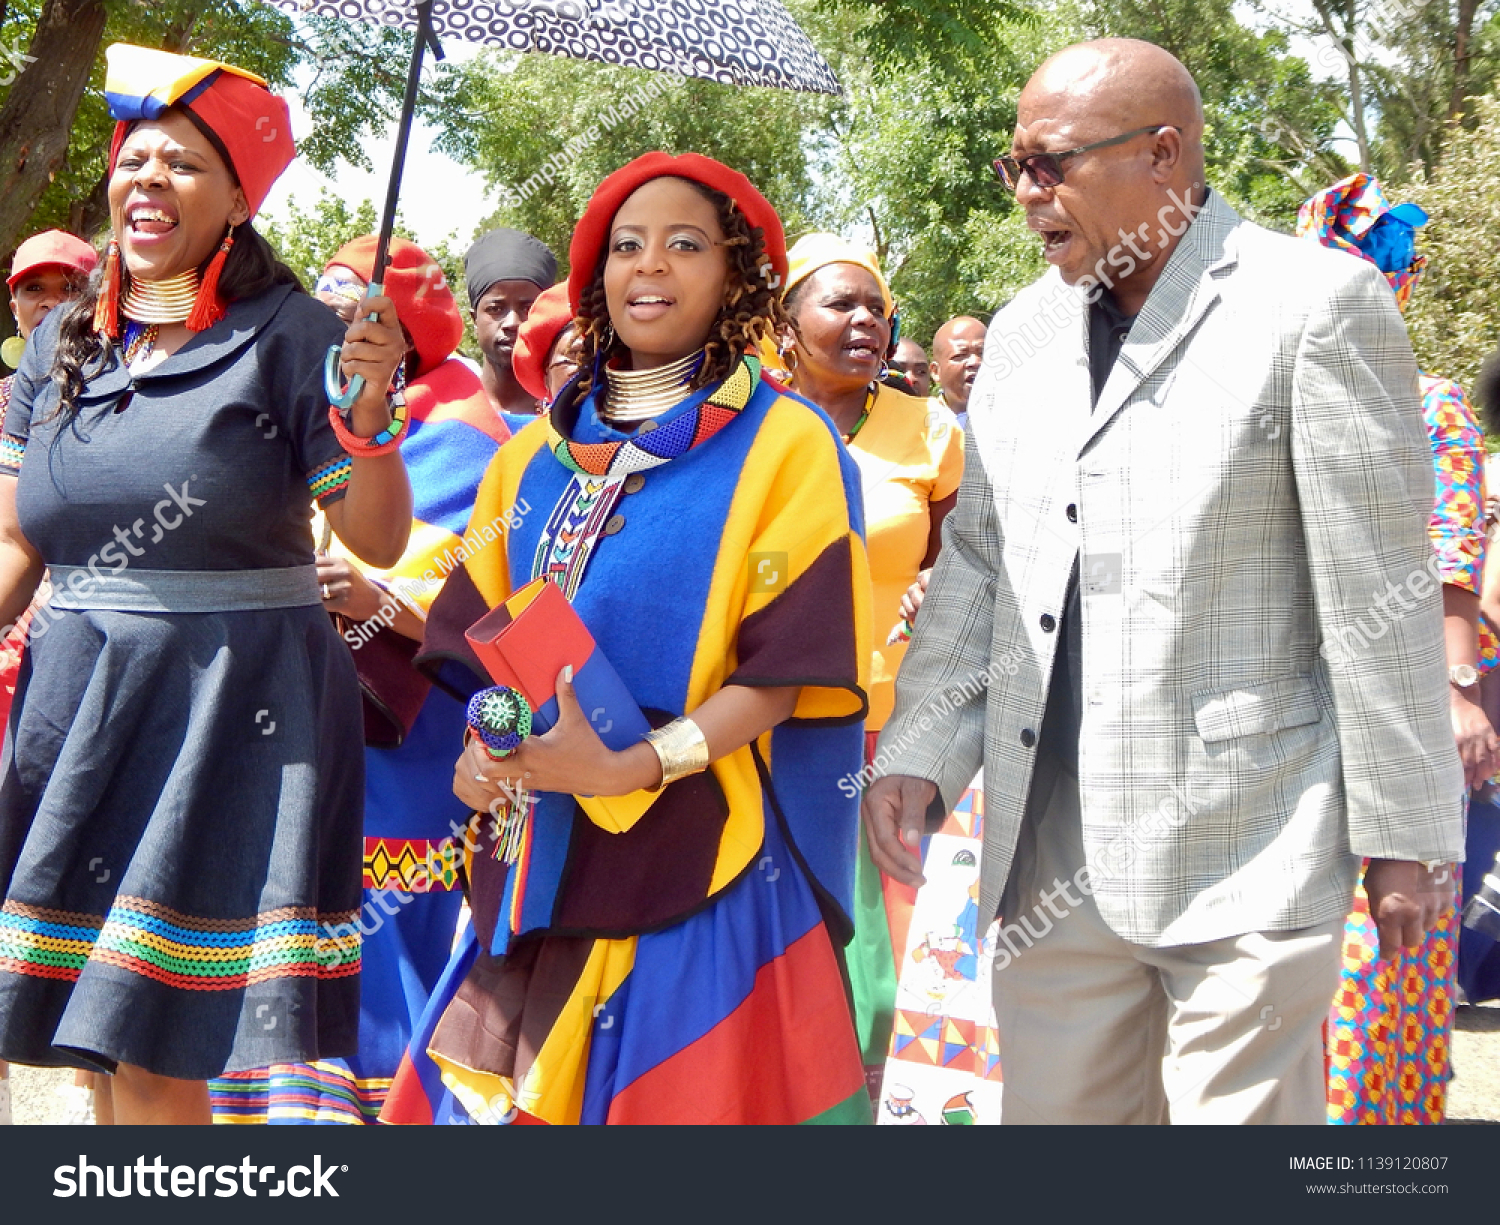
point(546, 345)
point(181, 797)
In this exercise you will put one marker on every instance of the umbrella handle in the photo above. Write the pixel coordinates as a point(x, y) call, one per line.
point(341, 397)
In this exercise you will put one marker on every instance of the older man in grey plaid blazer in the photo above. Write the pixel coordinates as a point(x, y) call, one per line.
point(1184, 618)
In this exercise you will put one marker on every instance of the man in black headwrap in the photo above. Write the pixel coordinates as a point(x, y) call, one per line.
point(505, 271)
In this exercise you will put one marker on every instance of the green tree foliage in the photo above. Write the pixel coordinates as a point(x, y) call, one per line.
point(947, 34)
point(1452, 315)
point(1440, 54)
point(906, 159)
point(357, 74)
point(1268, 140)
point(1404, 69)
point(545, 131)
point(307, 238)
point(903, 159)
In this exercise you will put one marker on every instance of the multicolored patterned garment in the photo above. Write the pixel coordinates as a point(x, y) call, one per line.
point(1354, 215)
point(413, 822)
point(908, 459)
point(944, 1064)
point(1458, 461)
point(1458, 527)
point(687, 968)
point(14, 643)
point(1390, 1032)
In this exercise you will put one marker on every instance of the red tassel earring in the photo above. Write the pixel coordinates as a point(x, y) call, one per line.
point(208, 309)
point(107, 306)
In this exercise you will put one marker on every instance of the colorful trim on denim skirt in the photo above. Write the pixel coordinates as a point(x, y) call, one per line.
point(45, 943)
point(326, 1091)
point(180, 950)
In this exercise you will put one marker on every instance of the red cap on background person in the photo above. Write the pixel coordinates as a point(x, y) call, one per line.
point(415, 282)
point(46, 270)
point(52, 249)
point(550, 314)
point(592, 232)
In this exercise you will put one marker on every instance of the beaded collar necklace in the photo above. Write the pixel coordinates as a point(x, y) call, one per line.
point(863, 416)
point(138, 342)
point(708, 411)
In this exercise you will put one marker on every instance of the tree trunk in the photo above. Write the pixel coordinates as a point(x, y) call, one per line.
point(1356, 84)
point(1463, 32)
point(37, 117)
point(90, 214)
point(1345, 40)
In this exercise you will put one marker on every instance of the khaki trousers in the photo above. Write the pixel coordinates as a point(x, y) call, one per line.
point(1095, 1029)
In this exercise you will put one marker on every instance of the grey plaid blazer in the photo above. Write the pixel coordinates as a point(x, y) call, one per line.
point(1264, 685)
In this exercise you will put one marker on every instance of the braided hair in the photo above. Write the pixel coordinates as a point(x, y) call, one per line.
point(751, 311)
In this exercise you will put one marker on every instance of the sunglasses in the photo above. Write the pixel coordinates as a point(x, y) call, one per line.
point(1046, 169)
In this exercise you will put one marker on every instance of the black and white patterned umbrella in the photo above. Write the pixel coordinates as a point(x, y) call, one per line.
point(736, 42)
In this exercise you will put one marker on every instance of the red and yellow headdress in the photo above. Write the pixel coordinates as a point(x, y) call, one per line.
point(252, 124)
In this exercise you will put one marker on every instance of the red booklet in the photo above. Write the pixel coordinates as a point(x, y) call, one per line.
point(529, 639)
point(534, 635)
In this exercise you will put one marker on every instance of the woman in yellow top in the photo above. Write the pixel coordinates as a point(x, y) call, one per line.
point(842, 328)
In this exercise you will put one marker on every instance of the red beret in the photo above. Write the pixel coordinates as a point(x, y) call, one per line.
point(593, 228)
point(550, 314)
point(416, 284)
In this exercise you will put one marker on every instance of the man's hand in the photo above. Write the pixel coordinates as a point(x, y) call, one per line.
point(895, 810)
point(1478, 746)
point(1406, 901)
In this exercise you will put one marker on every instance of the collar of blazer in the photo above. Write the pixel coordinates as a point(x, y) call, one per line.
point(1181, 296)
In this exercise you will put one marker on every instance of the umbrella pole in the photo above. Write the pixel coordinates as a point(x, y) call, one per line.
point(344, 398)
point(425, 38)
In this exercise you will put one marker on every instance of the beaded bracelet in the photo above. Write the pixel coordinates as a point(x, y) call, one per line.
point(389, 438)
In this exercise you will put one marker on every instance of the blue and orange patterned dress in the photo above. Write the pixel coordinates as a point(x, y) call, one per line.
point(1390, 1031)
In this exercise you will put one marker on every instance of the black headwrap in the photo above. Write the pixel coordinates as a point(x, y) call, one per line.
point(507, 255)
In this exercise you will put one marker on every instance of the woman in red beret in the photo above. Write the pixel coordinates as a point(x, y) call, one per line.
point(546, 346)
point(182, 775)
point(658, 939)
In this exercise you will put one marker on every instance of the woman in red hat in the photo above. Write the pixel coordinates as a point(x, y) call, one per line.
point(182, 777)
point(48, 270)
point(659, 937)
point(547, 345)
point(412, 857)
